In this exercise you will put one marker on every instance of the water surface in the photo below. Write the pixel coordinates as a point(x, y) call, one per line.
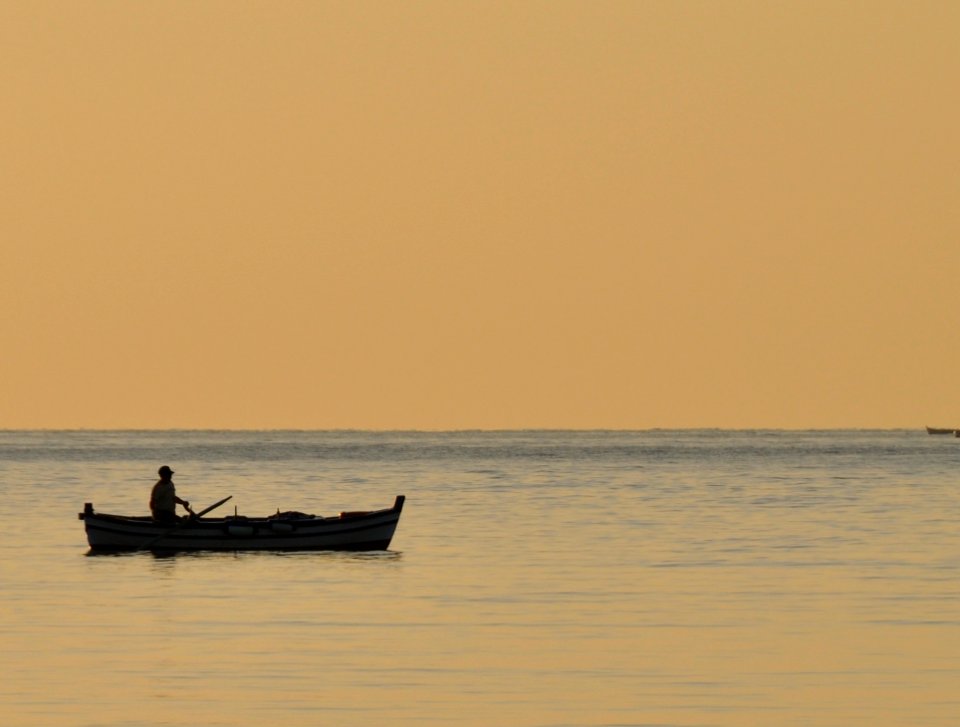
point(668, 578)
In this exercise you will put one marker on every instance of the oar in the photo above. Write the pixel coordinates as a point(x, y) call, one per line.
point(179, 525)
point(214, 506)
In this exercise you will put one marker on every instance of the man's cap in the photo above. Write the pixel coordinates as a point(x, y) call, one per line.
point(165, 471)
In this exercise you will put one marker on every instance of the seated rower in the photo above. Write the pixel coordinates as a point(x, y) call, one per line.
point(164, 500)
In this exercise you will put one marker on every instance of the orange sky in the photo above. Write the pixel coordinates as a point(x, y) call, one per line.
point(479, 214)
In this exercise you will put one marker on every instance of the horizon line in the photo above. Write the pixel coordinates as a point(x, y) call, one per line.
point(386, 430)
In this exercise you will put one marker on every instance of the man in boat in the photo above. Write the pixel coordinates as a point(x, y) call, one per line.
point(164, 500)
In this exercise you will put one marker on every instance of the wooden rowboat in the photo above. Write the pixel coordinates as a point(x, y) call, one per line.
point(371, 530)
point(937, 430)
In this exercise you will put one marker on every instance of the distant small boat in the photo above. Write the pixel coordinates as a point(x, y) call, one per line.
point(934, 430)
point(356, 530)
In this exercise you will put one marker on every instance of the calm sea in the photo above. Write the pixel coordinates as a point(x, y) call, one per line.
point(646, 578)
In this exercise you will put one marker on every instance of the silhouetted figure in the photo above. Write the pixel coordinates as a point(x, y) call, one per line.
point(163, 498)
